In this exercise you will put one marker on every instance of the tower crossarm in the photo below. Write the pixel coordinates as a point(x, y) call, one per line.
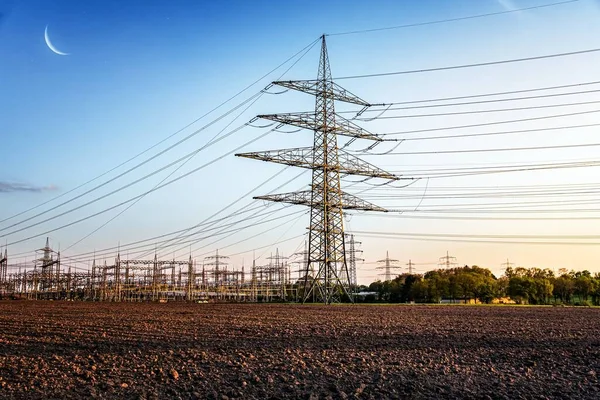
point(336, 92)
point(305, 120)
point(304, 157)
point(352, 165)
point(349, 202)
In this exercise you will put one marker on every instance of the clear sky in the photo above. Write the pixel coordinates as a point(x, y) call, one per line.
point(137, 72)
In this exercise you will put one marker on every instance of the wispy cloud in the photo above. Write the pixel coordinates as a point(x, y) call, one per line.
point(8, 187)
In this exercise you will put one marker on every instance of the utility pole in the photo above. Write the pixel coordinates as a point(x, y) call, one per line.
point(388, 266)
point(326, 245)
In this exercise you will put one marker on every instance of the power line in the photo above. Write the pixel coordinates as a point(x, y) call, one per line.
point(441, 239)
point(193, 154)
point(132, 169)
point(499, 194)
point(168, 137)
point(496, 110)
point(483, 64)
point(272, 191)
point(590, 163)
point(566, 146)
point(455, 175)
point(133, 198)
point(505, 211)
point(492, 123)
point(126, 245)
point(473, 96)
point(506, 205)
point(482, 236)
point(266, 246)
point(206, 223)
point(229, 233)
point(137, 246)
point(477, 102)
point(554, 128)
point(208, 231)
point(480, 171)
point(209, 144)
point(510, 187)
point(451, 19)
point(286, 71)
point(482, 218)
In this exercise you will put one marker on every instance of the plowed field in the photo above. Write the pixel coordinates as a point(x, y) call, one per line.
point(219, 351)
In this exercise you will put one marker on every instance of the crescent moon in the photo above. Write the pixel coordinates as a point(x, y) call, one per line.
point(51, 46)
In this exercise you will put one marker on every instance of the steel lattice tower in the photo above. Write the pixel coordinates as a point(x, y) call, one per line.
point(388, 266)
point(4, 266)
point(326, 245)
point(352, 259)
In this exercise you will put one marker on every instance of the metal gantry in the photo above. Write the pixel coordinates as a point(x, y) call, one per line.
point(136, 280)
point(326, 245)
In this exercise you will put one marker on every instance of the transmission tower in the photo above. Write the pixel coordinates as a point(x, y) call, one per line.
point(410, 267)
point(447, 261)
point(327, 252)
point(278, 272)
point(507, 264)
point(352, 259)
point(50, 270)
point(219, 267)
point(388, 266)
point(302, 262)
point(3, 266)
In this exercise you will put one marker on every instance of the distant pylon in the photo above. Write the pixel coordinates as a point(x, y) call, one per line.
point(507, 264)
point(3, 265)
point(447, 261)
point(220, 267)
point(352, 259)
point(388, 265)
point(327, 251)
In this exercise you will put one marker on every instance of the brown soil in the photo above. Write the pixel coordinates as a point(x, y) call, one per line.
point(157, 351)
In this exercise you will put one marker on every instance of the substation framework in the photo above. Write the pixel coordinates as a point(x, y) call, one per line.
point(327, 277)
point(147, 280)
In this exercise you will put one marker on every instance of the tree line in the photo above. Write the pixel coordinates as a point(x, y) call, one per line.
point(476, 284)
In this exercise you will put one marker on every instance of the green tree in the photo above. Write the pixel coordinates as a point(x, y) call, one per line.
point(419, 291)
point(583, 286)
point(563, 288)
point(519, 288)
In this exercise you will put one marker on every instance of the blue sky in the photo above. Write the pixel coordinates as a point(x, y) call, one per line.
point(138, 72)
